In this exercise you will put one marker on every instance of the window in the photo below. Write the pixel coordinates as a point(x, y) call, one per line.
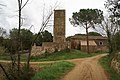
point(100, 43)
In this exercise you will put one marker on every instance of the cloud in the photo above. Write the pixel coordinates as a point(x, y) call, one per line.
point(33, 11)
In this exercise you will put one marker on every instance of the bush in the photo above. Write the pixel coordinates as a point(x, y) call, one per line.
point(24, 73)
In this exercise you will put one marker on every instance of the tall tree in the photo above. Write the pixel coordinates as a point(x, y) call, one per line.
point(47, 37)
point(110, 25)
point(117, 41)
point(26, 37)
point(113, 7)
point(109, 28)
point(20, 7)
point(45, 21)
point(87, 18)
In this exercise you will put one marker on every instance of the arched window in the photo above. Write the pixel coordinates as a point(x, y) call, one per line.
point(100, 43)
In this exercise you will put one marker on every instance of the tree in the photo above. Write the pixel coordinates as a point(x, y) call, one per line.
point(47, 37)
point(26, 37)
point(2, 35)
point(2, 32)
point(45, 21)
point(94, 34)
point(20, 7)
point(117, 41)
point(43, 37)
point(39, 40)
point(113, 7)
point(87, 18)
point(110, 25)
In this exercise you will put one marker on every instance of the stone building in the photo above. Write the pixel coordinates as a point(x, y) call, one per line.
point(96, 43)
point(59, 41)
point(59, 26)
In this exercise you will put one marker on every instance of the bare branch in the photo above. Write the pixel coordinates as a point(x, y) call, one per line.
point(24, 4)
point(2, 5)
point(44, 24)
point(5, 72)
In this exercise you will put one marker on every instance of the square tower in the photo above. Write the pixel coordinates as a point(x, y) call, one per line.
point(59, 26)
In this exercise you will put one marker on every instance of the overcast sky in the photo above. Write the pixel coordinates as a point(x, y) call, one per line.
point(33, 11)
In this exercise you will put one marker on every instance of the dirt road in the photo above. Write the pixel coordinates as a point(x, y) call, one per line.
point(87, 69)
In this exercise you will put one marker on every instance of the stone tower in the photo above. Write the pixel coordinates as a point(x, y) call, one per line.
point(59, 26)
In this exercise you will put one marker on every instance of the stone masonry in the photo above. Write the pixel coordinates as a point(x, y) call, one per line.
point(115, 63)
point(59, 26)
point(59, 42)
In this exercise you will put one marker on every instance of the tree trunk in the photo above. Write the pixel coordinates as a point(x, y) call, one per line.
point(87, 39)
point(18, 46)
point(28, 60)
point(109, 42)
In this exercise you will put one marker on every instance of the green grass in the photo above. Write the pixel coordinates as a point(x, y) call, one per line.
point(105, 62)
point(61, 56)
point(7, 57)
point(54, 71)
point(2, 57)
point(55, 56)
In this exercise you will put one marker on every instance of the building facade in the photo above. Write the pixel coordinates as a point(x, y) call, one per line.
point(96, 43)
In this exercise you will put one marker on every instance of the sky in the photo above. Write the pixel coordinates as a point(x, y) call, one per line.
point(33, 12)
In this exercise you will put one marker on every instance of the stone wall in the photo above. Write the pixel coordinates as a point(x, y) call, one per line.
point(51, 47)
point(115, 64)
point(37, 50)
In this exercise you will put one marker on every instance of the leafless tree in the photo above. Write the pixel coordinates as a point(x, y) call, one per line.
point(45, 20)
point(108, 27)
point(20, 7)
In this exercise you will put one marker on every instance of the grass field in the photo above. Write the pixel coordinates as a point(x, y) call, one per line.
point(105, 62)
point(54, 71)
point(61, 56)
point(54, 56)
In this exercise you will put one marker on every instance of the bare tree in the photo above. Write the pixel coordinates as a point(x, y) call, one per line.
point(108, 27)
point(21, 6)
point(111, 24)
point(45, 20)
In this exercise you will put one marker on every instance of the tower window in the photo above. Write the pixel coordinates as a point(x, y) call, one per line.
point(100, 43)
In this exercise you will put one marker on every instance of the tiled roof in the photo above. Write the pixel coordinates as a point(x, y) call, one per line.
point(90, 37)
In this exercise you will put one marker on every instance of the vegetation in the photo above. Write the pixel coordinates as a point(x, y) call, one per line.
point(116, 41)
point(43, 37)
point(61, 56)
point(94, 34)
point(54, 71)
point(2, 50)
point(105, 62)
point(87, 18)
point(110, 25)
point(26, 37)
point(54, 56)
